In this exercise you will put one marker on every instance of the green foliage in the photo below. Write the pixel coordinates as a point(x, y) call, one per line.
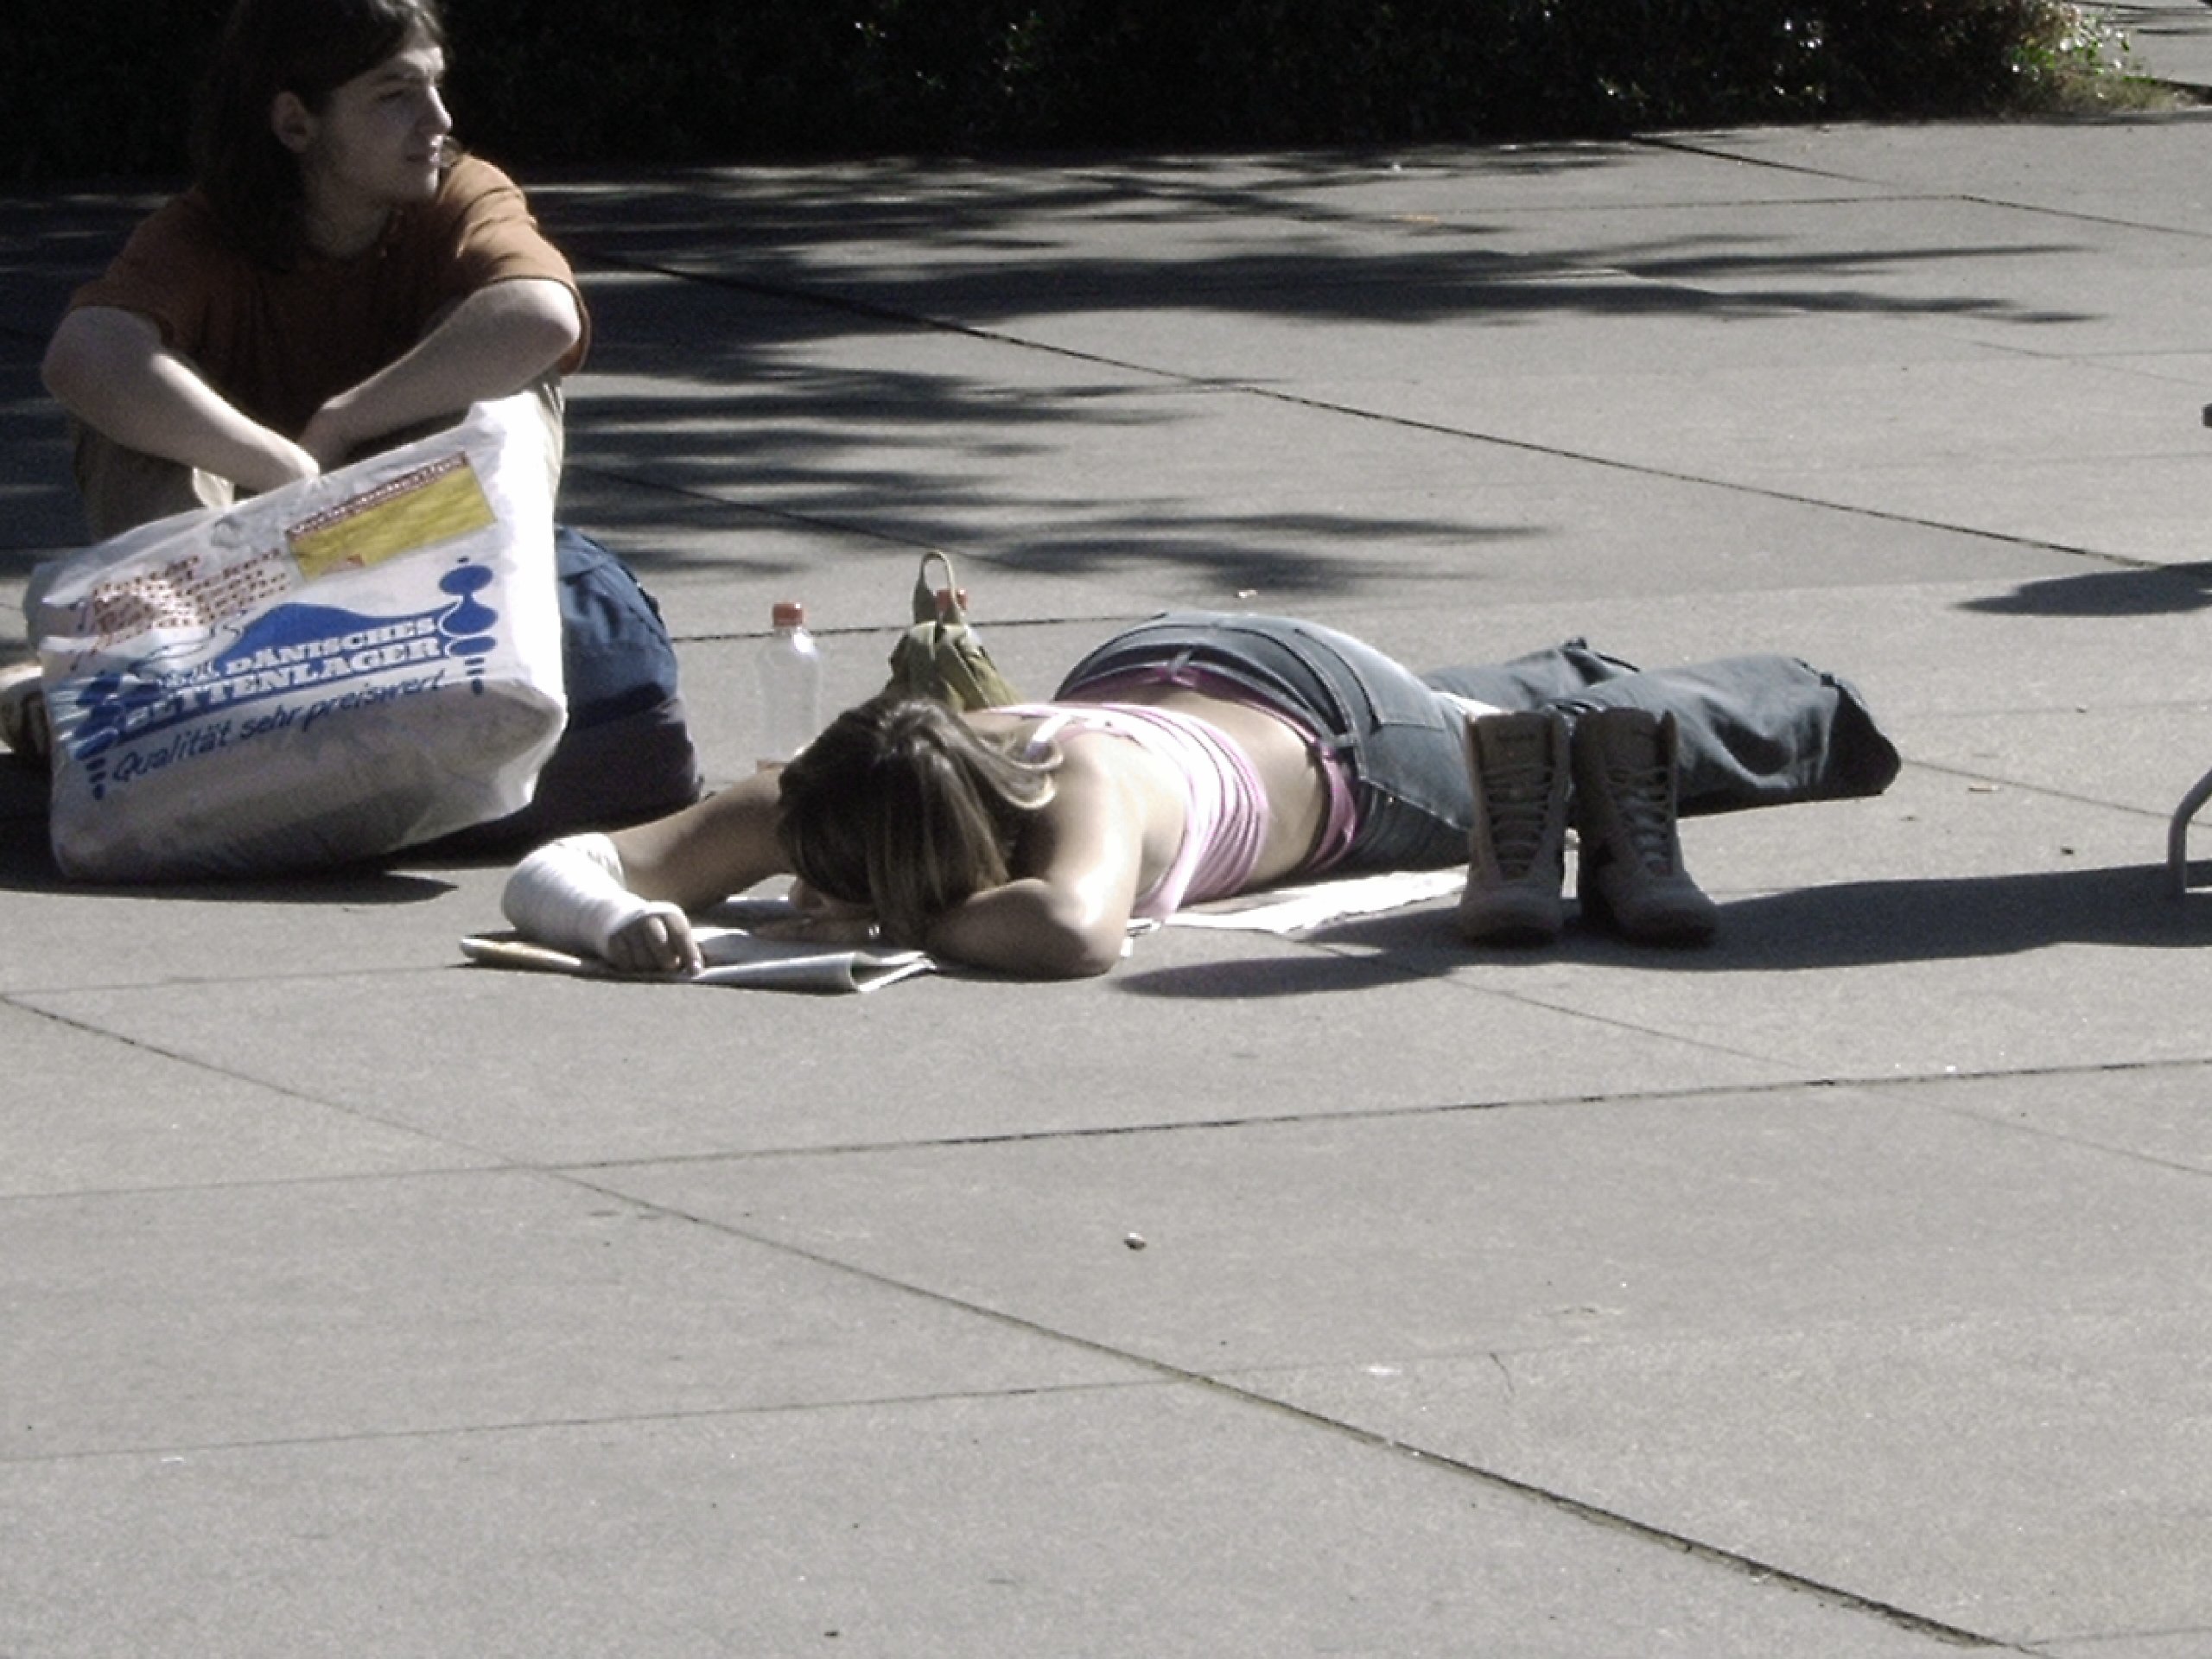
point(102, 85)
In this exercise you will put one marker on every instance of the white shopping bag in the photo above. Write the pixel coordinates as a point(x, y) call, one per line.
point(327, 672)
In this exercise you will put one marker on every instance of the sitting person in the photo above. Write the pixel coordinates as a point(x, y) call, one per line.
point(1200, 756)
point(340, 278)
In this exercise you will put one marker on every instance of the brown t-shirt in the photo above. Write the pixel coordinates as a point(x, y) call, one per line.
point(280, 343)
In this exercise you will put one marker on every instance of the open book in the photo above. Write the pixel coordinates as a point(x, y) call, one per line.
point(734, 955)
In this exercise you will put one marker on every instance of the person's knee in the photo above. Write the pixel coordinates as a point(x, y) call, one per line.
point(121, 488)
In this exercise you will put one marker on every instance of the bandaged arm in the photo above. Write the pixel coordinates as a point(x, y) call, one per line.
point(570, 894)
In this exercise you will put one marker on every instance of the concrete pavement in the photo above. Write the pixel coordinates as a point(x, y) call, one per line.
point(1840, 1290)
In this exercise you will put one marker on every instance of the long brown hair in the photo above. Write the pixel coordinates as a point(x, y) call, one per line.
point(309, 48)
point(902, 806)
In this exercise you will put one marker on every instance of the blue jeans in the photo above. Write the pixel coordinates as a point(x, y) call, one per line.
point(625, 754)
point(1755, 731)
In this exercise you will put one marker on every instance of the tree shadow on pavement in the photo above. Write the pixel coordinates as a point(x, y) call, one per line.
point(762, 342)
point(802, 302)
point(1298, 236)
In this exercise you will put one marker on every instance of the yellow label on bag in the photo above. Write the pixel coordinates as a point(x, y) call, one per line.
point(431, 505)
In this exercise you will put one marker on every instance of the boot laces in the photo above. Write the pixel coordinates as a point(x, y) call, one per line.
point(1517, 800)
point(1641, 793)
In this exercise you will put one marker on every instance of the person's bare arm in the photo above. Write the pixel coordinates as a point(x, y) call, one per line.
point(1070, 918)
point(690, 859)
point(708, 850)
point(111, 369)
point(496, 341)
point(623, 897)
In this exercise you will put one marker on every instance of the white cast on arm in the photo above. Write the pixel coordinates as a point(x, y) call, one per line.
point(569, 894)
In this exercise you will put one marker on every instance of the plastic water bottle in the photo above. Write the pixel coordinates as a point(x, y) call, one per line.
point(791, 686)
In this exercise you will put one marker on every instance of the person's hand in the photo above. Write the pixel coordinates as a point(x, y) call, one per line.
point(274, 462)
point(659, 942)
point(327, 436)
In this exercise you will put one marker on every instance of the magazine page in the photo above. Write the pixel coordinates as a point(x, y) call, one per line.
point(1294, 910)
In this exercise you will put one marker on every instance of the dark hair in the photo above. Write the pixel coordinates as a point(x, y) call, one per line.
point(309, 48)
point(901, 805)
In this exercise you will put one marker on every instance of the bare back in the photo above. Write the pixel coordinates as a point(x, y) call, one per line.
point(1282, 759)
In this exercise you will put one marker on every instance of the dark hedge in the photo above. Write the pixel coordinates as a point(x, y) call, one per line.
point(102, 86)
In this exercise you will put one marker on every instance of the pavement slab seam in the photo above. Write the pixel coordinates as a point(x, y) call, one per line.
point(2008, 204)
point(169, 1451)
point(1460, 972)
point(2175, 1068)
point(1563, 1002)
point(274, 1086)
point(595, 1168)
point(1999, 777)
point(1597, 1516)
point(1170, 1372)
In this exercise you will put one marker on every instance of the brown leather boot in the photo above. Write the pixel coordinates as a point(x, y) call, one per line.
point(1629, 870)
point(1516, 849)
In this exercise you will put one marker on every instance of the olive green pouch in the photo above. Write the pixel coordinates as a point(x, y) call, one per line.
point(940, 656)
